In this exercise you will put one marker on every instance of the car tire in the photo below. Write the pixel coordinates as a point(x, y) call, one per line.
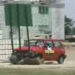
point(61, 60)
point(14, 59)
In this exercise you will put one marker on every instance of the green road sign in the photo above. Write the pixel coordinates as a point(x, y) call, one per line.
point(17, 11)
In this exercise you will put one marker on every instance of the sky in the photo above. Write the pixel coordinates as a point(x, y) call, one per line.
point(70, 9)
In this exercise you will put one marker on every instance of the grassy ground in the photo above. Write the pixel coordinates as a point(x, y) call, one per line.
point(34, 72)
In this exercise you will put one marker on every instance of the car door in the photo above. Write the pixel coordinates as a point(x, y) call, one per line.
point(58, 49)
point(40, 45)
point(48, 50)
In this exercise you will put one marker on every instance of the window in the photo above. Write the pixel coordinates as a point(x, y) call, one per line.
point(43, 9)
point(40, 43)
point(43, 28)
point(57, 44)
point(49, 44)
point(52, 1)
point(34, 43)
point(31, 42)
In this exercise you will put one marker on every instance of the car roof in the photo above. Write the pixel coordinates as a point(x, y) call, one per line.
point(47, 39)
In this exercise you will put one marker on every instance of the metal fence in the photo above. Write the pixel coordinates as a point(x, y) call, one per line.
point(6, 49)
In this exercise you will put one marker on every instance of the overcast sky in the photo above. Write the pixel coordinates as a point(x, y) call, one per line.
point(70, 9)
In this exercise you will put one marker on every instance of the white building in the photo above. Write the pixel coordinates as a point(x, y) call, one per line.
point(50, 21)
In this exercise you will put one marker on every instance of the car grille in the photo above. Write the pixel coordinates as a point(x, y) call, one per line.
point(24, 54)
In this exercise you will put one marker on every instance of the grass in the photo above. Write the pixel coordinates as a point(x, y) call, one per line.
point(34, 72)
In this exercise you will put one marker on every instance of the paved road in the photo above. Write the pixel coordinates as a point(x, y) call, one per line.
point(70, 54)
point(67, 64)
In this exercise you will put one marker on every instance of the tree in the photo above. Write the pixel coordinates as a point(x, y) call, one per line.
point(74, 31)
point(67, 19)
point(68, 23)
point(68, 30)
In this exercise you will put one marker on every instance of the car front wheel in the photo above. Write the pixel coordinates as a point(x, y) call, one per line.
point(61, 60)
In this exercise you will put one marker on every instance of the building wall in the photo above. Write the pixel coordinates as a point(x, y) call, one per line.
point(55, 20)
point(58, 20)
point(37, 18)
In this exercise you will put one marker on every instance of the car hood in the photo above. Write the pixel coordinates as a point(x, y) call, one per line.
point(26, 48)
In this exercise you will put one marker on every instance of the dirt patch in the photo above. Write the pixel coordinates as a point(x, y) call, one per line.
point(70, 52)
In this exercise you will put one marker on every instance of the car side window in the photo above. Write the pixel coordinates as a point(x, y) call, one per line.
point(49, 44)
point(40, 43)
point(57, 44)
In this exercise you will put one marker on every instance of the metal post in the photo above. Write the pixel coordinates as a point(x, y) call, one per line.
point(18, 27)
point(11, 31)
point(27, 29)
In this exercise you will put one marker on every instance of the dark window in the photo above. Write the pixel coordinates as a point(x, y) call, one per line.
point(31, 42)
point(43, 28)
point(43, 9)
point(49, 44)
point(52, 1)
point(57, 44)
point(40, 43)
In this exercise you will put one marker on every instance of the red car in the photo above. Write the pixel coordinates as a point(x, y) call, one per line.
point(40, 50)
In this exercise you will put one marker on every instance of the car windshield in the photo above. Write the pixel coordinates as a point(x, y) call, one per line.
point(34, 43)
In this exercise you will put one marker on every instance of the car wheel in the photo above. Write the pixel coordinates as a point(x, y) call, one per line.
point(14, 59)
point(61, 60)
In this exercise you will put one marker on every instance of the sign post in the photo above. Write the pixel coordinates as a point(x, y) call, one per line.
point(11, 32)
point(20, 15)
point(27, 29)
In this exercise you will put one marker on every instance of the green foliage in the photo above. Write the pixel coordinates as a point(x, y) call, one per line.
point(68, 23)
point(68, 30)
point(74, 31)
point(67, 19)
